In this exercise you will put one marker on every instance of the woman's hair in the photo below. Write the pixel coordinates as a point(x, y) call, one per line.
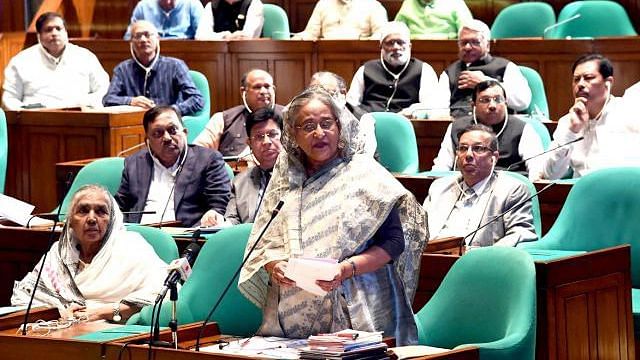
point(311, 93)
point(85, 189)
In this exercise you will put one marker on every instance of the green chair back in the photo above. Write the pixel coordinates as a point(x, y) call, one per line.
point(535, 204)
point(597, 19)
point(540, 129)
point(195, 123)
point(397, 144)
point(528, 19)
point(4, 150)
point(276, 22)
point(217, 262)
point(106, 172)
point(539, 105)
point(488, 300)
point(163, 243)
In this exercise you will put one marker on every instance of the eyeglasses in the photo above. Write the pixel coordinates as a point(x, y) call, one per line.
point(472, 42)
point(498, 99)
point(272, 135)
point(476, 149)
point(391, 42)
point(147, 34)
point(310, 126)
point(159, 133)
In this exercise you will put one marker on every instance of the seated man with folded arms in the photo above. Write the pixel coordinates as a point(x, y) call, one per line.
point(226, 131)
point(264, 127)
point(396, 81)
point(434, 19)
point(231, 20)
point(475, 64)
point(345, 19)
point(174, 180)
point(517, 140)
point(608, 124)
point(53, 73)
point(458, 205)
point(174, 19)
point(149, 79)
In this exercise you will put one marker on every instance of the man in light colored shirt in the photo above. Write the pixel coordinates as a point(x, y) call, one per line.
point(231, 20)
point(608, 124)
point(345, 19)
point(173, 180)
point(475, 64)
point(396, 82)
point(53, 73)
point(517, 140)
point(434, 19)
point(460, 205)
point(225, 131)
point(177, 19)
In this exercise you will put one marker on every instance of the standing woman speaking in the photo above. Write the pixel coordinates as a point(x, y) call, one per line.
point(341, 205)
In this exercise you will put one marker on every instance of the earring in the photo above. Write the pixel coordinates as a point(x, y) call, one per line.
point(341, 144)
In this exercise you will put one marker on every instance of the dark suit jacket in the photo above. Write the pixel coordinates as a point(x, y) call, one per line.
point(244, 197)
point(203, 184)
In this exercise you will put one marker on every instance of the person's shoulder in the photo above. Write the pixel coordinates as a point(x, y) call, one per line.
point(127, 63)
point(508, 182)
point(28, 53)
point(79, 50)
point(201, 152)
point(171, 60)
point(140, 155)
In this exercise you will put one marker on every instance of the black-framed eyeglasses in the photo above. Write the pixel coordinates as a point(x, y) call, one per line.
point(476, 149)
point(147, 34)
point(310, 126)
point(159, 133)
point(271, 134)
point(391, 42)
point(472, 42)
point(498, 99)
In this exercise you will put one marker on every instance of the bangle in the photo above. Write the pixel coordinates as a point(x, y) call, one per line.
point(353, 267)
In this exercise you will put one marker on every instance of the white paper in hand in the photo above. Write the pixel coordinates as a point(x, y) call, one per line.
point(305, 272)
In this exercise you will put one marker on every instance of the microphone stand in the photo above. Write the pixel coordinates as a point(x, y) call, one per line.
point(517, 163)
point(173, 324)
point(224, 292)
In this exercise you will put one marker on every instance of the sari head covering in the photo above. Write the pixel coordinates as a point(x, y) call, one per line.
point(334, 213)
point(126, 268)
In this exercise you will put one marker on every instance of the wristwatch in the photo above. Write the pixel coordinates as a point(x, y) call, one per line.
point(116, 312)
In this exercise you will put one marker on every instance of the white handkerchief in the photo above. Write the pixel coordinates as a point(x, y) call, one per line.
point(305, 272)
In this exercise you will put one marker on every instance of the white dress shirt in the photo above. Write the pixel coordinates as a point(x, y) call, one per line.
point(161, 191)
point(345, 19)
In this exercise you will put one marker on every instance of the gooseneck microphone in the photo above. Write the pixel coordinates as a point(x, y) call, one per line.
point(274, 213)
point(517, 163)
point(558, 24)
point(499, 216)
point(52, 234)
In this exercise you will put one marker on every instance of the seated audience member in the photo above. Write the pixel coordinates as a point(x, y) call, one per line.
point(337, 87)
point(174, 19)
point(149, 79)
point(225, 131)
point(231, 20)
point(458, 205)
point(396, 81)
point(607, 123)
point(434, 19)
point(177, 181)
point(97, 268)
point(338, 205)
point(475, 64)
point(264, 127)
point(517, 140)
point(345, 19)
point(53, 73)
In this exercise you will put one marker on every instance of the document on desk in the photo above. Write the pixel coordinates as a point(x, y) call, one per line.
point(20, 212)
point(305, 272)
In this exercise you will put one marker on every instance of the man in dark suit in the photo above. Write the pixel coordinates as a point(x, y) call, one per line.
point(175, 180)
point(264, 128)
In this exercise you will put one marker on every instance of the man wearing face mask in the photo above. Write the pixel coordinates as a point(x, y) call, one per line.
point(396, 81)
point(226, 130)
point(475, 64)
point(517, 140)
point(174, 19)
point(174, 180)
point(231, 20)
point(458, 205)
point(149, 79)
point(53, 73)
point(608, 124)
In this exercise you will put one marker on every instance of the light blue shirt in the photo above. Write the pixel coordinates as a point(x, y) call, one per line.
point(179, 23)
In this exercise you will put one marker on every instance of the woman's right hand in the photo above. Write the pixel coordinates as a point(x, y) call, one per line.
point(277, 269)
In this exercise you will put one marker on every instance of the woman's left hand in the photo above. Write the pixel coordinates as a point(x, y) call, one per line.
point(336, 281)
point(99, 313)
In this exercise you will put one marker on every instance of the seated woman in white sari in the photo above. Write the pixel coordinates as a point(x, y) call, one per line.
point(341, 205)
point(97, 269)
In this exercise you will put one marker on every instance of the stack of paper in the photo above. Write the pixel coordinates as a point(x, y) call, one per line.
point(346, 344)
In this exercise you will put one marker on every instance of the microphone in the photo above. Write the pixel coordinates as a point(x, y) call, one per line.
point(558, 24)
point(130, 148)
point(518, 163)
point(180, 269)
point(499, 216)
point(274, 213)
point(68, 181)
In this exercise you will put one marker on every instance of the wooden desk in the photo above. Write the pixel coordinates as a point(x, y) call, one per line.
point(551, 201)
point(583, 303)
point(38, 139)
